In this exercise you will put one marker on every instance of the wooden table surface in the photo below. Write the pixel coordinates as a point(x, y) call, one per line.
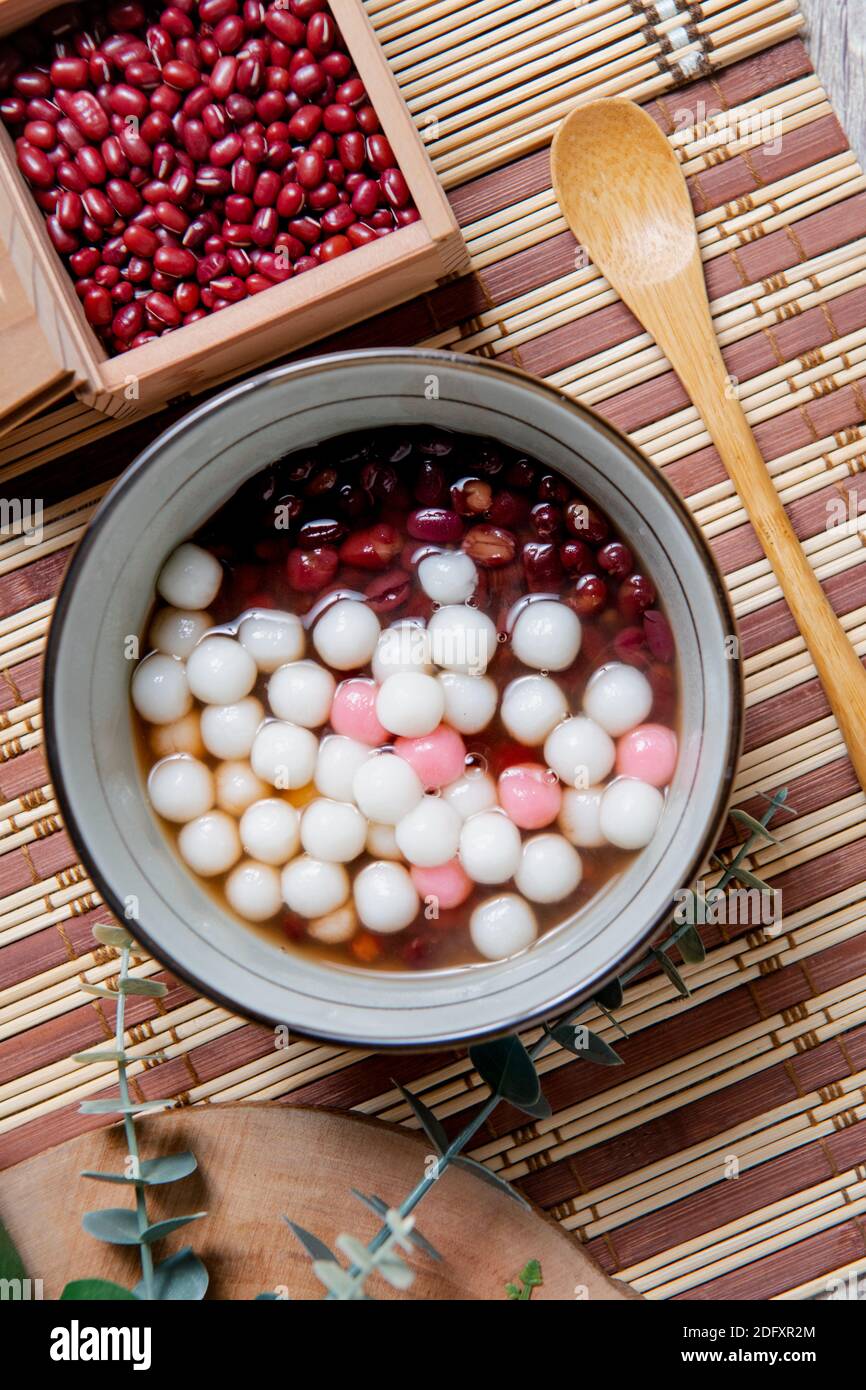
point(836, 40)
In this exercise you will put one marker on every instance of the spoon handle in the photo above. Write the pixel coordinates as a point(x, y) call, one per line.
point(836, 662)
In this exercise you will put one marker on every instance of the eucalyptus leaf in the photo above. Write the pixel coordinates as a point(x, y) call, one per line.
point(582, 1042)
point(103, 1055)
point(315, 1248)
point(691, 947)
point(429, 1123)
point(181, 1276)
point(611, 995)
point(112, 936)
point(161, 1229)
point(749, 879)
point(509, 1071)
point(113, 1225)
point(116, 1107)
point(11, 1264)
point(152, 1172)
point(103, 1290)
point(753, 826)
point(380, 1207)
point(101, 990)
point(131, 984)
point(267, 1298)
point(492, 1179)
point(672, 973)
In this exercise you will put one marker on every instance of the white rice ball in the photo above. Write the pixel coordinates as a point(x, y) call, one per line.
point(314, 887)
point(237, 786)
point(336, 928)
point(430, 834)
point(210, 844)
point(270, 830)
point(228, 730)
point(272, 638)
point(333, 830)
point(253, 890)
point(385, 897)
point(580, 817)
point(462, 639)
point(546, 635)
point(183, 736)
point(580, 752)
point(410, 704)
point(502, 926)
point(403, 647)
point(618, 697)
point(470, 701)
point(382, 842)
point(338, 760)
point(302, 692)
point(190, 577)
point(180, 787)
point(630, 812)
point(386, 788)
point(549, 870)
point(449, 576)
point(176, 631)
point(531, 707)
point(284, 754)
point(160, 689)
point(471, 793)
point(346, 634)
point(490, 847)
point(220, 671)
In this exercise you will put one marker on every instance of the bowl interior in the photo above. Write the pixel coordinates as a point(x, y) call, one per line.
point(167, 494)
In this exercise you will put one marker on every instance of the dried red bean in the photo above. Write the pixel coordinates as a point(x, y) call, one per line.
point(98, 307)
point(42, 134)
point(175, 261)
point(162, 308)
point(128, 321)
point(70, 211)
point(34, 164)
point(395, 188)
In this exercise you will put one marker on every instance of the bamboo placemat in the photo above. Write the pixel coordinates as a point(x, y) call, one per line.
point(727, 1158)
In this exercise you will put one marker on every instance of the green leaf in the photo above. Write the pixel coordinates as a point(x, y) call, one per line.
point(531, 1274)
point(102, 1289)
point(492, 1179)
point(510, 1072)
point(691, 947)
point(315, 1248)
point(672, 973)
point(153, 1171)
point(753, 826)
point(181, 1276)
point(611, 996)
point(114, 1225)
point(750, 880)
point(112, 936)
point(164, 1228)
point(582, 1042)
point(429, 1123)
point(130, 984)
point(115, 1107)
point(11, 1264)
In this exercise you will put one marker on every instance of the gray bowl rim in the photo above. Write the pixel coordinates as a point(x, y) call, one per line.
point(224, 400)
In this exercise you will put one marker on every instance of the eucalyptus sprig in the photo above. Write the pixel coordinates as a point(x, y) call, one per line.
point(508, 1068)
point(181, 1275)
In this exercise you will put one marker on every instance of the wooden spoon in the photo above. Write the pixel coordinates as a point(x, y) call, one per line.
point(623, 194)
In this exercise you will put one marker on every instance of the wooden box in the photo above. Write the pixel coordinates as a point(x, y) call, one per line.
point(238, 339)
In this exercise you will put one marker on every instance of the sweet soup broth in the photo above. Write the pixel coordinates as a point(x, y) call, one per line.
point(514, 786)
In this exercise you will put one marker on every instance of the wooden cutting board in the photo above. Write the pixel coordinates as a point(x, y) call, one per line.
point(259, 1162)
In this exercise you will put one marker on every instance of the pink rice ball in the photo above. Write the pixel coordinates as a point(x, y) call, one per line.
point(530, 795)
point(449, 884)
point(648, 753)
point(353, 712)
point(438, 758)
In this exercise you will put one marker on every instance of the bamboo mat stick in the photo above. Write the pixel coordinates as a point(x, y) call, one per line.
point(533, 127)
point(447, 56)
point(402, 33)
point(762, 663)
point(843, 1277)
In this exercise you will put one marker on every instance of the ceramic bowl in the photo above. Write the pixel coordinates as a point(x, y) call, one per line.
point(163, 498)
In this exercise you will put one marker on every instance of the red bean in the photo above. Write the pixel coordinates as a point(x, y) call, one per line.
point(379, 153)
point(171, 217)
point(107, 275)
point(285, 26)
point(353, 92)
point(339, 119)
point(32, 84)
point(308, 80)
point(209, 267)
point(128, 101)
point(116, 162)
point(264, 226)
point(34, 164)
point(176, 23)
point(135, 147)
point(222, 78)
point(239, 208)
point(175, 261)
point(180, 186)
point(359, 235)
point(42, 134)
point(324, 195)
point(290, 200)
point(338, 218)
point(321, 33)
point(226, 151)
point(437, 524)
point(395, 188)
point(70, 211)
point(238, 233)
point(309, 170)
point(98, 206)
point(335, 246)
point(266, 189)
point(210, 179)
point(91, 164)
point(143, 74)
point(85, 261)
point(229, 34)
point(163, 309)
point(98, 308)
point(64, 242)
point(86, 112)
point(365, 199)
